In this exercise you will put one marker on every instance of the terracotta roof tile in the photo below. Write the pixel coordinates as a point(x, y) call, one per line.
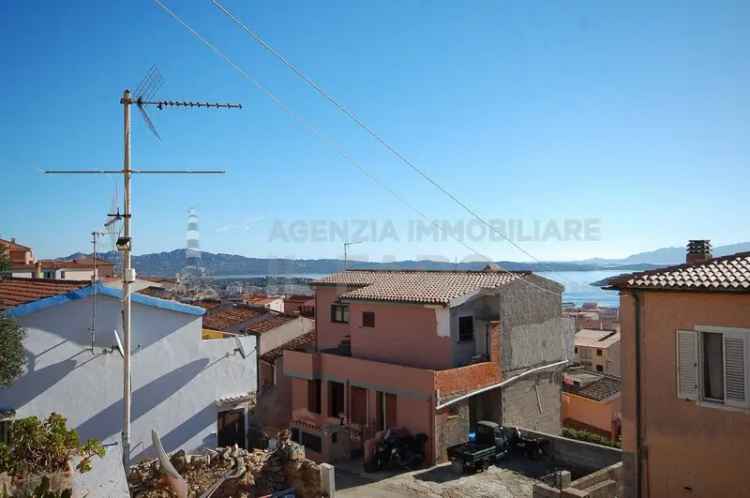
point(437, 287)
point(15, 291)
point(599, 390)
point(244, 318)
point(725, 274)
point(229, 317)
point(297, 344)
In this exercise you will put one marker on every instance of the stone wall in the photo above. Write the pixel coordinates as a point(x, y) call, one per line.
point(580, 456)
point(604, 483)
point(533, 402)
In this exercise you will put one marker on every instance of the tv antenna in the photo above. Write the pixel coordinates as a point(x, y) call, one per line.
point(142, 97)
point(346, 251)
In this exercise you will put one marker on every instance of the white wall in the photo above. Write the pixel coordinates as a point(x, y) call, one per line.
point(177, 377)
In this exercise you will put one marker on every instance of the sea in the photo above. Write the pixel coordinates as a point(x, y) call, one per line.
point(578, 288)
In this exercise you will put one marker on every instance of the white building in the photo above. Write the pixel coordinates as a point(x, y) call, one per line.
point(193, 392)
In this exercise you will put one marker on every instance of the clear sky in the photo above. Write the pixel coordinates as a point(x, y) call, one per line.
point(634, 116)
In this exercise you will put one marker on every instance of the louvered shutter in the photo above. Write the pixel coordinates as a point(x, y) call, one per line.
point(687, 364)
point(735, 369)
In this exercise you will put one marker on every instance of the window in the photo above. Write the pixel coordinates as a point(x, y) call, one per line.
point(466, 328)
point(62, 275)
point(385, 404)
point(712, 365)
point(368, 319)
point(576, 349)
point(599, 368)
point(313, 395)
point(340, 313)
point(598, 352)
point(335, 399)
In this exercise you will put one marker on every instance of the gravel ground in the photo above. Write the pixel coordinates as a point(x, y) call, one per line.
point(437, 482)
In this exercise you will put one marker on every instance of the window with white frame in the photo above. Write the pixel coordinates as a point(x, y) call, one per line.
point(713, 365)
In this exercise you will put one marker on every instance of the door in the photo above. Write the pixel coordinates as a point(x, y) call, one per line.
point(231, 428)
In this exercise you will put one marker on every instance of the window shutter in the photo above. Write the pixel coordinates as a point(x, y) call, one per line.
point(735, 369)
point(687, 364)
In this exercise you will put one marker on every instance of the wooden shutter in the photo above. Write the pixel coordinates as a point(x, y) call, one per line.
point(687, 364)
point(735, 369)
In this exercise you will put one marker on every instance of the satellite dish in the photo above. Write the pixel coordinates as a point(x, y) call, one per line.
point(119, 343)
point(240, 347)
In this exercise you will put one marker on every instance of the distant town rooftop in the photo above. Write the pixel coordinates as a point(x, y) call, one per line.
point(596, 338)
point(603, 388)
point(725, 274)
point(418, 286)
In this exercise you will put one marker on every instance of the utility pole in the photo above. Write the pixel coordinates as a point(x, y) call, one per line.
point(124, 243)
point(346, 253)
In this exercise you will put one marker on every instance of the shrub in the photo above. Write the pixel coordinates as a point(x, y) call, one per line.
point(38, 447)
point(590, 437)
point(12, 356)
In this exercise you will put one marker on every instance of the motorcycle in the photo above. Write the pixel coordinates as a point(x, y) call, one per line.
point(399, 450)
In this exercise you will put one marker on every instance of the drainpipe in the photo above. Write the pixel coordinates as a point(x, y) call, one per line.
point(638, 434)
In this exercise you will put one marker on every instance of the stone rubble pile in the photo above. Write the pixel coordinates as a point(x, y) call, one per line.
point(263, 472)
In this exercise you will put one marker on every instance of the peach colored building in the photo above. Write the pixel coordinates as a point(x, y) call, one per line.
point(593, 403)
point(686, 377)
point(426, 351)
point(599, 350)
point(16, 253)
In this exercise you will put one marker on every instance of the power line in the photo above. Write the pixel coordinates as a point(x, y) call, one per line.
point(366, 128)
point(319, 134)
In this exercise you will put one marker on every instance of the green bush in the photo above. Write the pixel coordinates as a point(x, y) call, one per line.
point(12, 356)
point(38, 447)
point(590, 437)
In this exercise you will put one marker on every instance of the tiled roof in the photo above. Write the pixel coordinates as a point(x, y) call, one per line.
point(297, 298)
point(598, 390)
point(437, 287)
point(244, 318)
point(159, 292)
point(725, 274)
point(296, 344)
point(56, 264)
point(227, 318)
point(13, 245)
point(270, 322)
point(15, 291)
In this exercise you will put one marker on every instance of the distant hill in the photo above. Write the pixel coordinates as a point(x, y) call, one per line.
point(665, 256)
point(169, 263)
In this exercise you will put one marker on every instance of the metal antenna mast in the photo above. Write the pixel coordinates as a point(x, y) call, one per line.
point(143, 95)
point(346, 252)
point(94, 281)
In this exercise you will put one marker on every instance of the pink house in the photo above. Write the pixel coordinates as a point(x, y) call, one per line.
point(425, 351)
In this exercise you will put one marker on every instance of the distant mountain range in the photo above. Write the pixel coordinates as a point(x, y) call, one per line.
point(169, 263)
point(665, 256)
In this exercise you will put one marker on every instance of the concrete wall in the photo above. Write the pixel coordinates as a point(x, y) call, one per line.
point(452, 427)
point(533, 332)
point(521, 403)
point(176, 377)
point(483, 309)
point(578, 456)
point(690, 444)
point(279, 336)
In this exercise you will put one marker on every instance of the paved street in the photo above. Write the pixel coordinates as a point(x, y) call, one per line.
point(436, 482)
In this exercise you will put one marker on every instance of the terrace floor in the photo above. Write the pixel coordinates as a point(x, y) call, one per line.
point(514, 478)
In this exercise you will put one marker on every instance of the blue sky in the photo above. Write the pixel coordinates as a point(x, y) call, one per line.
point(632, 115)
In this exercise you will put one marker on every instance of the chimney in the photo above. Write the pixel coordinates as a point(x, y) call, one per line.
point(698, 251)
point(37, 270)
